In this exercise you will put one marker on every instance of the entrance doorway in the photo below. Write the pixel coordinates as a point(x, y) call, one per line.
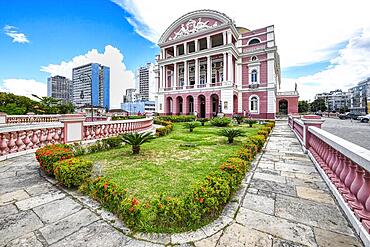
point(283, 107)
point(202, 106)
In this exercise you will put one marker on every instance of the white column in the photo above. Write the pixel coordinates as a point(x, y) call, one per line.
point(161, 84)
point(196, 45)
point(224, 67)
point(196, 71)
point(229, 37)
point(209, 42)
point(186, 73)
point(224, 37)
point(209, 70)
point(174, 51)
point(230, 67)
point(185, 49)
point(175, 75)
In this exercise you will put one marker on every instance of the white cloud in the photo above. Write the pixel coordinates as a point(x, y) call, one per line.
point(346, 70)
point(120, 78)
point(17, 37)
point(24, 87)
point(306, 32)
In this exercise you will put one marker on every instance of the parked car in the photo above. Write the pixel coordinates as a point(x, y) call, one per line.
point(349, 115)
point(364, 119)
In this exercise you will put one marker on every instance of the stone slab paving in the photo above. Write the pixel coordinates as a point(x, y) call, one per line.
point(282, 202)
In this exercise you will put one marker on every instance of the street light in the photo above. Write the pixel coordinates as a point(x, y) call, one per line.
point(82, 92)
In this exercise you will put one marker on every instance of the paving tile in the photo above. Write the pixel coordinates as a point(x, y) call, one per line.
point(276, 226)
point(259, 203)
point(273, 187)
point(28, 240)
point(311, 213)
point(39, 200)
point(96, 234)
point(209, 241)
point(17, 225)
point(12, 197)
point(332, 239)
point(294, 168)
point(237, 235)
point(314, 195)
point(60, 229)
point(41, 188)
point(7, 210)
point(57, 209)
point(269, 177)
point(285, 243)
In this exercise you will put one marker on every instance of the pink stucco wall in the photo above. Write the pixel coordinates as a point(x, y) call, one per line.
point(292, 103)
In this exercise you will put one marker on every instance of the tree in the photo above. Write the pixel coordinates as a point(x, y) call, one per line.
point(230, 133)
point(318, 105)
point(136, 140)
point(303, 106)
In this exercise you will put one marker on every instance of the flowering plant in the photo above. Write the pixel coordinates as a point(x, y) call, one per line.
point(48, 155)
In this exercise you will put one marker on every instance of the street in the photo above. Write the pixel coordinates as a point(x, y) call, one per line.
point(353, 131)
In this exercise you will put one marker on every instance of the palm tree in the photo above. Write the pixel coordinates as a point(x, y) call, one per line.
point(136, 140)
point(230, 133)
point(191, 126)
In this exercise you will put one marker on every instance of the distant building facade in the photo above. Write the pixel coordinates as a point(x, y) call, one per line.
point(360, 97)
point(145, 82)
point(139, 107)
point(60, 87)
point(130, 95)
point(207, 65)
point(335, 100)
point(91, 85)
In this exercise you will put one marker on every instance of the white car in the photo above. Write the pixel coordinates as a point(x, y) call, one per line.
point(364, 119)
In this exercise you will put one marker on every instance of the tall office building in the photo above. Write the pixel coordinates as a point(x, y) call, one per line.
point(60, 87)
point(91, 85)
point(145, 82)
point(335, 100)
point(360, 97)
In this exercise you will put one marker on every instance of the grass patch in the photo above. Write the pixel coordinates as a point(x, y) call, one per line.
point(169, 164)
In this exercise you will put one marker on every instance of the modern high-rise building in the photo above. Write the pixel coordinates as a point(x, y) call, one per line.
point(360, 97)
point(145, 82)
point(335, 100)
point(91, 85)
point(59, 87)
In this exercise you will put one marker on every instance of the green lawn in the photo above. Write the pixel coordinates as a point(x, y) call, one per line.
point(165, 165)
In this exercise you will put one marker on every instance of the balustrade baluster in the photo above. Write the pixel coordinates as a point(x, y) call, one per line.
point(363, 193)
point(19, 142)
point(356, 185)
point(4, 144)
point(26, 140)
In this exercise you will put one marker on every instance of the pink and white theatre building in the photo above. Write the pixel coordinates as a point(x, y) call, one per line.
point(207, 65)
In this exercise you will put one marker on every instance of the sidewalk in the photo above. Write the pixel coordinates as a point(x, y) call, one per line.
point(287, 204)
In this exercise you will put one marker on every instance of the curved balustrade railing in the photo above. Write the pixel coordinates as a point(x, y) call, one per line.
point(20, 139)
point(347, 167)
point(298, 128)
point(21, 119)
point(103, 129)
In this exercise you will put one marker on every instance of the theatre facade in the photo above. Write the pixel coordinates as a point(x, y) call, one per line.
point(208, 65)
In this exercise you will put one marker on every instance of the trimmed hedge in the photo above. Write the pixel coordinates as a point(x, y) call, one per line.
point(114, 118)
point(72, 172)
point(168, 127)
point(203, 203)
point(177, 119)
point(263, 132)
point(48, 155)
point(220, 121)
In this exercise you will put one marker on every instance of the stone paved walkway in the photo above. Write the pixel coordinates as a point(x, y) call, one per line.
point(286, 203)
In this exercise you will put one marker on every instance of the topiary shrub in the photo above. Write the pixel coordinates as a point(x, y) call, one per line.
point(72, 172)
point(230, 133)
point(191, 126)
point(268, 129)
point(258, 140)
point(176, 119)
point(270, 123)
point(250, 122)
point(168, 127)
point(203, 120)
point(238, 118)
point(50, 154)
point(220, 121)
point(114, 142)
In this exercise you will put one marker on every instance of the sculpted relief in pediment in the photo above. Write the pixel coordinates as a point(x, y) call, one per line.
point(193, 26)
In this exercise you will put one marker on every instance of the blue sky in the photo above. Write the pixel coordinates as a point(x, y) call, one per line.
point(62, 30)
point(320, 54)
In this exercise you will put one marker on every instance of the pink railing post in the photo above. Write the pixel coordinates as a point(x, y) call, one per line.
point(73, 127)
point(310, 120)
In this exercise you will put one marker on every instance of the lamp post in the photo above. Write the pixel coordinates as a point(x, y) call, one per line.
point(82, 77)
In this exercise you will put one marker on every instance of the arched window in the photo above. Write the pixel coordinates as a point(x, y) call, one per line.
point(253, 104)
point(254, 41)
point(254, 76)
